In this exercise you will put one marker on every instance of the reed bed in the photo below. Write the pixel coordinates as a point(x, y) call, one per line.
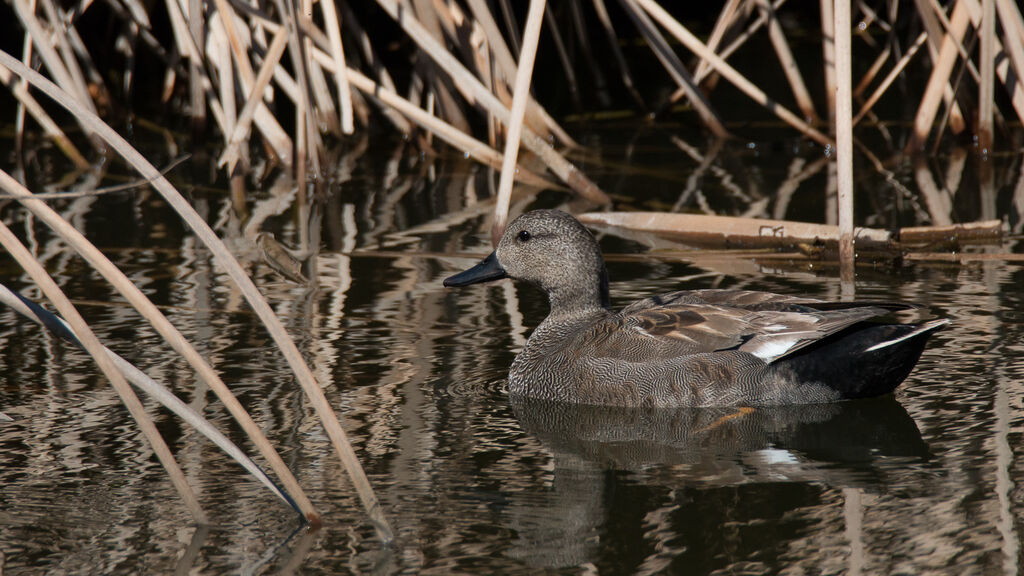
point(287, 79)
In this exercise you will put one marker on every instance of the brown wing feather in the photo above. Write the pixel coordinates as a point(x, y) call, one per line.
point(683, 323)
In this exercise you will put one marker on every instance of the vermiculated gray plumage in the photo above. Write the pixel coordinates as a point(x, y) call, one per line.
point(688, 348)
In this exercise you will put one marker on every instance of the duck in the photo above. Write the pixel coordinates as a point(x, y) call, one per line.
point(690, 348)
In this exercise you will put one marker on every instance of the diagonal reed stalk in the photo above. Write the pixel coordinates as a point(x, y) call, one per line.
point(226, 260)
point(462, 77)
point(155, 390)
point(177, 341)
point(728, 72)
point(92, 345)
point(675, 68)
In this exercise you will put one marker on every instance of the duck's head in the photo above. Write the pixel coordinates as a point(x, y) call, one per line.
point(552, 250)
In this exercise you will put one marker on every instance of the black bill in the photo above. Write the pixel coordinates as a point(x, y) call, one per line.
point(488, 269)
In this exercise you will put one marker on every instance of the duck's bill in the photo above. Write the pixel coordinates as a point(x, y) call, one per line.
point(488, 269)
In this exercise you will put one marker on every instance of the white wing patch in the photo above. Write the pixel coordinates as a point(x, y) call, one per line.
point(768, 348)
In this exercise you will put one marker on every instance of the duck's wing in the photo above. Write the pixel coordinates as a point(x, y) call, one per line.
point(680, 329)
point(745, 299)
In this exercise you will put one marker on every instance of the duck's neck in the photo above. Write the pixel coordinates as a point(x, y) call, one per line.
point(580, 301)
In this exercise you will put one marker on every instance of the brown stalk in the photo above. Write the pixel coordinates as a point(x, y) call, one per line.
point(844, 142)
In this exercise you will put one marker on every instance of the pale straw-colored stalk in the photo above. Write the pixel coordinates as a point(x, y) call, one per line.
point(728, 72)
point(987, 86)
point(789, 66)
point(171, 335)
point(890, 78)
point(844, 143)
point(227, 262)
point(95, 349)
point(524, 72)
point(154, 390)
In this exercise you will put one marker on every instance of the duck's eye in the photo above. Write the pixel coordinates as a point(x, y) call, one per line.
point(524, 236)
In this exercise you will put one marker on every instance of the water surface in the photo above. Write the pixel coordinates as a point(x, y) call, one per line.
point(928, 480)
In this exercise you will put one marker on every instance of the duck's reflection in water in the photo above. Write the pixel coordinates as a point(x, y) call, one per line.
point(597, 450)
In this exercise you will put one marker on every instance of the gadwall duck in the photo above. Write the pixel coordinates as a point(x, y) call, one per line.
point(688, 348)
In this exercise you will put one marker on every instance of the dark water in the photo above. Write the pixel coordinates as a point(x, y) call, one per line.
point(928, 481)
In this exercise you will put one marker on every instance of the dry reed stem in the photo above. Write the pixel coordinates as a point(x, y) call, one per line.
point(890, 78)
point(197, 96)
point(1002, 65)
point(158, 392)
point(1013, 39)
point(728, 72)
point(50, 57)
point(739, 41)
point(844, 139)
point(456, 138)
point(987, 86)
point(340, 74)
point(524, 72)
point(736, 231)
point(561, 167)
point(873, 70)
point(170, 334)
point(190, 50)
point(227, 262)
point(936, 24)
point(50, 128)
point(930, 18)
point(95, 349)
point(67, 55)
point(244, 123)
point(221, 59)
point(789, 66)
point(613, 43)
point(726, 19)
point(939, 79)
point(674, 66)
point(265, 121)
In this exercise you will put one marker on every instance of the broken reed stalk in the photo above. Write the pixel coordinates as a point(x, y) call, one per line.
point(242, 281)
point(844, 141)
point(92, 345)
point(531, 36)
point(170, 334)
